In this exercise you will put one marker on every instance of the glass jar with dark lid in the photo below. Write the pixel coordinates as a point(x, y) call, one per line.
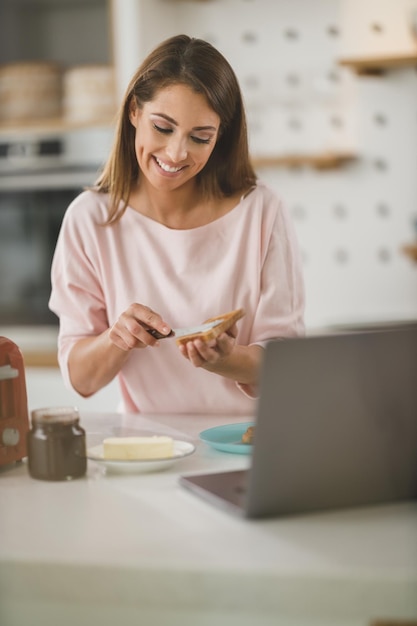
point(56, 444)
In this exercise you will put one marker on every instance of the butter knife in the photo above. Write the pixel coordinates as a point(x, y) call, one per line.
point(182, 332)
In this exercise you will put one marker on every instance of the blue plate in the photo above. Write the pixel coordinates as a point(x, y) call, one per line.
point(227, 438)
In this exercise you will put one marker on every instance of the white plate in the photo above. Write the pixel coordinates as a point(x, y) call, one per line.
point(181, 450)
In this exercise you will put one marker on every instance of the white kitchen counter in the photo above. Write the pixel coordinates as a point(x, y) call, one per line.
point(140, 549)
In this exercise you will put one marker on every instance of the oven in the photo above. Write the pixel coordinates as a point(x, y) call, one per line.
point(40, 174)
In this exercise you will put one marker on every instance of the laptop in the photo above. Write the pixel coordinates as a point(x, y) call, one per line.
point(336, 427)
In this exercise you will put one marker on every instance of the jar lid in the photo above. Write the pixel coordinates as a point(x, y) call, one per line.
point(55, 415)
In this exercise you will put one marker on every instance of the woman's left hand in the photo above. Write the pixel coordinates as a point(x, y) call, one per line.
point(208, 354)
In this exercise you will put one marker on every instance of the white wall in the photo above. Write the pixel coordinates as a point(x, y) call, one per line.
point(45, 387)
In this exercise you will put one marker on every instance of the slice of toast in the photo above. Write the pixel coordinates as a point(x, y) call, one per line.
point(225, 321)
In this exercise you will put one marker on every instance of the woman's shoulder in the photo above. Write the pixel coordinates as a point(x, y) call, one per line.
point(264, 193)
point(267, 206)
point(89, 204)
point(264, 199)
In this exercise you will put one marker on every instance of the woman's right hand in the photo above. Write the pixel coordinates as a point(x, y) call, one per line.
point(131, 329)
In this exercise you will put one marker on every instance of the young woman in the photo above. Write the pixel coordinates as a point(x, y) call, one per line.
point(177, 230)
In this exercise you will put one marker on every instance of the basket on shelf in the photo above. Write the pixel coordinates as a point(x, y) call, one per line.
point(30, 91)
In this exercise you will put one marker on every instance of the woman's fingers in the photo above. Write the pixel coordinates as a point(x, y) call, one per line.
point(131, 329)
point(207, 353)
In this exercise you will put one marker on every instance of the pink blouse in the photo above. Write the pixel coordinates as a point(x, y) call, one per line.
point(248, 258)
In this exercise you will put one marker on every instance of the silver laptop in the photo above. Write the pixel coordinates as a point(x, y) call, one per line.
point(336, 427)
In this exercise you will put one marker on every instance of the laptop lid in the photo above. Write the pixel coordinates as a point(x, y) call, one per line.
point(336, 427)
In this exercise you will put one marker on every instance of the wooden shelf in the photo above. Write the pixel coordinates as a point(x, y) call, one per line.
point(319, 161)
point(378, 64)
point(410, 251)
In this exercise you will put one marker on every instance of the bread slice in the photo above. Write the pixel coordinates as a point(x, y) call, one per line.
point(225, 321)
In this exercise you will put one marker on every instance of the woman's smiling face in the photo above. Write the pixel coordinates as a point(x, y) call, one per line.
point(175, 135)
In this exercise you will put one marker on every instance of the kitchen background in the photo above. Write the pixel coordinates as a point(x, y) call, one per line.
point(331, 93)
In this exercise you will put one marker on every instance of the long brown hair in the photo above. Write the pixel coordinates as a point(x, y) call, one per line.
point(197, 64)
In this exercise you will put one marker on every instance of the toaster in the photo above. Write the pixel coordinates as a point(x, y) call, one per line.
point(14, 419)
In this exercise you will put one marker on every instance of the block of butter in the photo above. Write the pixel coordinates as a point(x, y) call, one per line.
point(138, 448)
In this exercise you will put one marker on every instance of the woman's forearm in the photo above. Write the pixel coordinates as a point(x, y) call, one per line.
point(94, 362)
point(242, 365)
